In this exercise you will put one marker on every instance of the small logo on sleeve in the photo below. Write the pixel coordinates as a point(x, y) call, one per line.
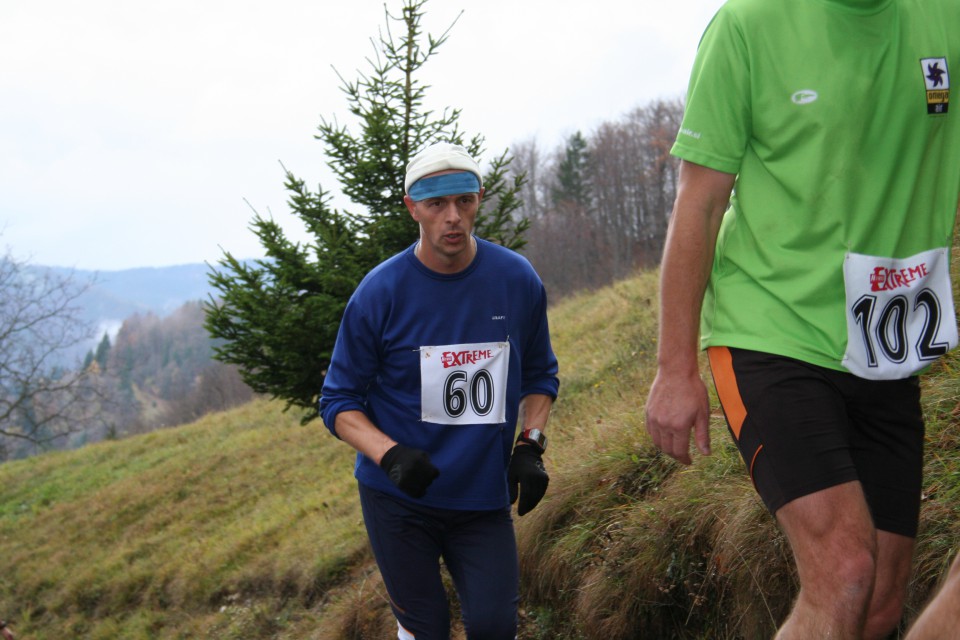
point(804, 96)
point(936, 80)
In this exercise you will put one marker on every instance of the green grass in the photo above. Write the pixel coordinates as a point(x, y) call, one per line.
point(246, 524)
point(162, 534)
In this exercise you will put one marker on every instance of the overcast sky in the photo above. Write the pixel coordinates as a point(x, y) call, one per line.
point(133, 133)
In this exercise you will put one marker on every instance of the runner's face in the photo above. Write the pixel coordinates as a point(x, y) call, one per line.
point(446, 228)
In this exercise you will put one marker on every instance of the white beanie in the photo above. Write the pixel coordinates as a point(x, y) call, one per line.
point(440, 156)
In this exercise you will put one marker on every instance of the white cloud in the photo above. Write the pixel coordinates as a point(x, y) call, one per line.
point(146, 125)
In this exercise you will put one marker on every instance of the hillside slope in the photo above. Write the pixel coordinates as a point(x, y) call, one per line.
point(246, 524)
point(189, 532)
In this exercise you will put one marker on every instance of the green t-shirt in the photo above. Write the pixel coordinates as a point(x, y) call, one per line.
point(836, 118)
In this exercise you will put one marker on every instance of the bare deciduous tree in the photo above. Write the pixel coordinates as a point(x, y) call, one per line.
point(535, 191)
point(217, 388)
point(41, 399)
point(624, 184)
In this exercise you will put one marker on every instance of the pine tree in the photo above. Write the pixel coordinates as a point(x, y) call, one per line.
point(103, 352)
point(277, 318)
point(573, 186)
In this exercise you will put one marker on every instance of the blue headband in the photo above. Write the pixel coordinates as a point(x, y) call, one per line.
point(444, 185)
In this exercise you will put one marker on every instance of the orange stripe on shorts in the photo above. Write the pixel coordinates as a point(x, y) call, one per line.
point(721, 364)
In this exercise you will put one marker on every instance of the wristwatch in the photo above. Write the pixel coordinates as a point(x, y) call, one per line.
point(533, 437)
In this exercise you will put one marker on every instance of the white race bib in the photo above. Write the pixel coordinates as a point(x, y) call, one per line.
point(900, 314)
point(464, 383)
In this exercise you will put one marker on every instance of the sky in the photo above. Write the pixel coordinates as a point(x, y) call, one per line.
point(147, 134)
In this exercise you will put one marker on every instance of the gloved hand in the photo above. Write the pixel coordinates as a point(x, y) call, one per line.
point(526, 470)
point(410, 469)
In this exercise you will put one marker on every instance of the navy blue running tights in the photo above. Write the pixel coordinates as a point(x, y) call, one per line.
point(478, 548)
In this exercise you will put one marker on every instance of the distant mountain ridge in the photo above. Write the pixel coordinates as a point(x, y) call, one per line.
point(160, 290)
point(114, 296)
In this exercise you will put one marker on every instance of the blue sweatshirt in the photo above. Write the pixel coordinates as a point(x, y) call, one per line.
point(401, 308)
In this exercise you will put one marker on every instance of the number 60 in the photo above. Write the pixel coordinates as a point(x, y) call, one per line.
point(456, 398)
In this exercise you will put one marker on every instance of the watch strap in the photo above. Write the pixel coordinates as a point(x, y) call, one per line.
point(533, 437)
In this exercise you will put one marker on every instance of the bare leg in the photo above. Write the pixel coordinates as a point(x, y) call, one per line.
point(894, 562)
point(835, 547)
point(941, 618)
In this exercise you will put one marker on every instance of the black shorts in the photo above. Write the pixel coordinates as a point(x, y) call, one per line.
point(802, 428)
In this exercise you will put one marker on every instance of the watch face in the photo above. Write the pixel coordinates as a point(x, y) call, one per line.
point(534, 437)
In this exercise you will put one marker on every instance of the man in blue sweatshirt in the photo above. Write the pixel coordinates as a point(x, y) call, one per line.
point(442, 351)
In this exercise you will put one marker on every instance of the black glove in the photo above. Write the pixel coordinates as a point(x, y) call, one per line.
point(526, 469)
point(410, 469)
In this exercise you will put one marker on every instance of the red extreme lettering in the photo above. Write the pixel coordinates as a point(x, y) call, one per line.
point(883, 279)
point(461, 358)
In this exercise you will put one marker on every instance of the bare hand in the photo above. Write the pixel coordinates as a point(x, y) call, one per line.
point(677, 404)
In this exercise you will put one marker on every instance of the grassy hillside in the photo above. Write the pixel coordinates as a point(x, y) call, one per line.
point(633, 545)
point(246, 524)
point(211, 530)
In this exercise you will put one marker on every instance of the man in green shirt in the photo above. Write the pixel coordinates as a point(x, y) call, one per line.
point(823, 289)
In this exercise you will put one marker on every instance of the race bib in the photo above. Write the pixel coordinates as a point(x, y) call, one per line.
point(900, 314)
point(464, 383)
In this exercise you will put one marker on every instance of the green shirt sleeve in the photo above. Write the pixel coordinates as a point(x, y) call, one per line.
point(716, 121)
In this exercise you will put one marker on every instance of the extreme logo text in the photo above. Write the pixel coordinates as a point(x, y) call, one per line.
point(883, 279)
point(461, 358)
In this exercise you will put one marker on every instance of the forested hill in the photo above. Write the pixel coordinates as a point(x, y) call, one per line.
point(138, 336)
